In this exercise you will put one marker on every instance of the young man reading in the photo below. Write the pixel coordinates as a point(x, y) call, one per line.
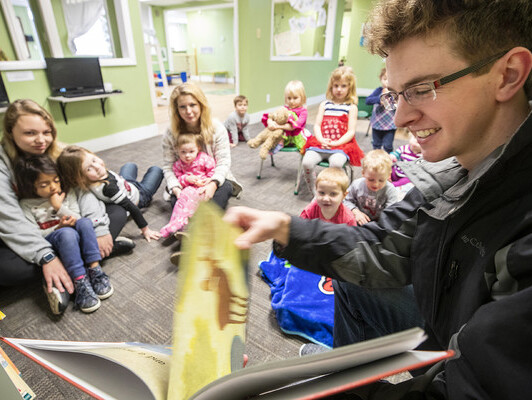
point(459, 79)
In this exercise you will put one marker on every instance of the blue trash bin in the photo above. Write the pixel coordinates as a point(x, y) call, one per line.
point(183, 77)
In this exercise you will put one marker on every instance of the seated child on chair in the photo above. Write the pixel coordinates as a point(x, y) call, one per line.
point(81, 168)
point(194, 169)
point(57, 214)
point(295, 101)
point(369, 195)
point(238, 121)
point(334, 130)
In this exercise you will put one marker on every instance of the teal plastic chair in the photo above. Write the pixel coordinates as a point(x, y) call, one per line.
point(288, 149)
point(364, 110)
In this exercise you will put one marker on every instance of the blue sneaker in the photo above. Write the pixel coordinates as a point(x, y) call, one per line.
point(86, 300)
point(100, 282)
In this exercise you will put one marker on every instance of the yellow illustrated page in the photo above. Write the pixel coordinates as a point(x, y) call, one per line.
point(211, 307)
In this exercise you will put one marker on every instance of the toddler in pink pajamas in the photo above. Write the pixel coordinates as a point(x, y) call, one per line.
point(193, 170)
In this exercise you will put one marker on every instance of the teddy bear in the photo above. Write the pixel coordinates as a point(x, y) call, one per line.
point(269, 138)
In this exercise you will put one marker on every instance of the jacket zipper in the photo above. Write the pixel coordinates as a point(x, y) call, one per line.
point(452, 274)
point(439, 268)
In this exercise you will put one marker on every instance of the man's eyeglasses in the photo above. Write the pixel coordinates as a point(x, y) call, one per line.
point(422, 92)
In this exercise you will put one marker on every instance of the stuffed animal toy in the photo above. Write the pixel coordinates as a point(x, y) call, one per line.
point(269, 138)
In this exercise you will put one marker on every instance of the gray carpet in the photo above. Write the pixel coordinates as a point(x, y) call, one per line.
point(145, 281)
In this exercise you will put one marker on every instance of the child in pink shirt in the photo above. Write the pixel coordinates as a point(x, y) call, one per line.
point(294, 130)
point(194, 169)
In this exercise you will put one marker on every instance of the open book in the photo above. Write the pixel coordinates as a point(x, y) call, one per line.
point(205, 360)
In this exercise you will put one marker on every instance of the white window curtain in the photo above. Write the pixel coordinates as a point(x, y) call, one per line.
point(80, 16)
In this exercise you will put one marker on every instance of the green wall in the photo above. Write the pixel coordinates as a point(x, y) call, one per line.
point(208, 28)
point(365, 65)
point(259, 76)
point(132, 109)
point(212, 28)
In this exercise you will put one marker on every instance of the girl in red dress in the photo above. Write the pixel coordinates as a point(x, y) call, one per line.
point(334, 130)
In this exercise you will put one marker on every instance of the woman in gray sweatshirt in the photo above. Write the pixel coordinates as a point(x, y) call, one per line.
point(24, 254)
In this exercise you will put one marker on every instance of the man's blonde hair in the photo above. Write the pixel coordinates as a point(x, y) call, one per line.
point(334, 175)
point(377, 161)
point(477, 29)
point(346, 73)
point(296, 88)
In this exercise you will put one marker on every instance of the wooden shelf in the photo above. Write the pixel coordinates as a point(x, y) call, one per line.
point(63, 101)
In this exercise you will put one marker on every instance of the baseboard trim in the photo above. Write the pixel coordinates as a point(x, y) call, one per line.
point(120, 138)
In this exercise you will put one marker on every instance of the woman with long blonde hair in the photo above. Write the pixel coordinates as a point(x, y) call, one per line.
point(190, 113)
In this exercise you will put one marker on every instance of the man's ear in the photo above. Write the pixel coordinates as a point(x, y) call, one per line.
point(514, 73)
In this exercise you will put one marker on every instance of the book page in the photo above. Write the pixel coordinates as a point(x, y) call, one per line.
point(354, 377)
point(104, 370)
point(212, 305)
point(262, 378)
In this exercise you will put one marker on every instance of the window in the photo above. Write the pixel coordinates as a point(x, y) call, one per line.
point(25, 43)
point(97, 41)
point(118, 21)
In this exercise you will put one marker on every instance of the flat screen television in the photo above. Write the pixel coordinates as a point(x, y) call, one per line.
point(4, 99)
point(74, 75)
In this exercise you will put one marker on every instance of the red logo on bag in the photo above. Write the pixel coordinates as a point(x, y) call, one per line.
point(325, 285)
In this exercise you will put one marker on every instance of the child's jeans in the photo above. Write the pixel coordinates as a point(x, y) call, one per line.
point(383, 139)
point(148, 186)
point(76, 246)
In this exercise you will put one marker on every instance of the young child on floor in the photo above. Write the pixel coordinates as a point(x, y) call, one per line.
point(334, 130)
point(369, 195)
point(331, 189)
point(295, 101)
point(238, 121)
point(80, 168)
point(382, 126)
point(57, 214)
point(296, 293)
point(193, 169)
point(407, 152)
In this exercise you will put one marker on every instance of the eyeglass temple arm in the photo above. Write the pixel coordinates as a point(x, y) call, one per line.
point(471, 69)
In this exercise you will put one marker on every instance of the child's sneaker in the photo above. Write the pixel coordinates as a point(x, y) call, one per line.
point(58, 300)
point(100, 282)
point(86, 300)
point(180, 235)
point(308, 349)
point(174, 258)
point(167, 196)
